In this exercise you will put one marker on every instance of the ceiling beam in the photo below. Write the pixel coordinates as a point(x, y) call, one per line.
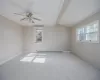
point(63, 9)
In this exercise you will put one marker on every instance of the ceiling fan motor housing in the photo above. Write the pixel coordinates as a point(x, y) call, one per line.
point(29, 14)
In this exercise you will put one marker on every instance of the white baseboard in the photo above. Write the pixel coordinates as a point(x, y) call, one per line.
point(48, 51)
point(1, 63)
point(66, 51)
point(55, 51)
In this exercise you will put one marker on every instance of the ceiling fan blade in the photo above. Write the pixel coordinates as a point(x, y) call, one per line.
point(39, 25)
point(30, 19)
point(33, 21)
point(23, 19)
point(36, 18)
point(19, 14)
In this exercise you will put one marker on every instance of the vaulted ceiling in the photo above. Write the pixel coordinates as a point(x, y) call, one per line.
point(51, 12)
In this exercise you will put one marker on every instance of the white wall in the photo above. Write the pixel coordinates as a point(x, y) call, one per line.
point(10, 39)
point(54, 39)
point(87, 51)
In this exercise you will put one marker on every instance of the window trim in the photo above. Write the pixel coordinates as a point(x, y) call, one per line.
point(35, 30)
point(88, 41)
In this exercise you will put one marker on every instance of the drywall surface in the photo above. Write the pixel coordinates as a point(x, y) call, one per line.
point(11, 39)
point(54, 39)
point(87, 51)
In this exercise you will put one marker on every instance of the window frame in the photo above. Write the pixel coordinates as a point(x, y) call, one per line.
point(89, 41)
point(36, 35)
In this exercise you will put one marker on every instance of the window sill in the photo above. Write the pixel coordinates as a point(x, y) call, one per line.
point(88, 41)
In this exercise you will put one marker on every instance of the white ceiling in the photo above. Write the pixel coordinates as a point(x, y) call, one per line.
point(66, 13)
point(47, 10)
point(78, 10)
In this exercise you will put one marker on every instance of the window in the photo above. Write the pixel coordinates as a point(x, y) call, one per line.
point(39, 35)
point(89, 32)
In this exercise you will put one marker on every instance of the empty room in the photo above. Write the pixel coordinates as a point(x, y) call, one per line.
point(49, 39)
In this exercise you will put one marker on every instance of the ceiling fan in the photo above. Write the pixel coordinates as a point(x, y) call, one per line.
point(28, 16)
